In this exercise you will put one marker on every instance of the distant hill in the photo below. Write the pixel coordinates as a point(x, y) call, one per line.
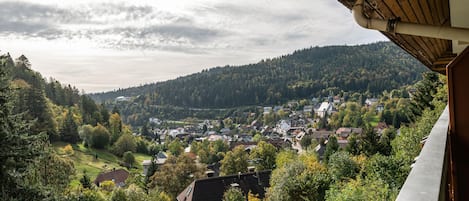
point(310, 72)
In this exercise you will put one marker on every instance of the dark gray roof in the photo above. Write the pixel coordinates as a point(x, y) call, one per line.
point(212, 189)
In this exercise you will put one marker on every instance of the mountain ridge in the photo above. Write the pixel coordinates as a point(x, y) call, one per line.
point(310, 72)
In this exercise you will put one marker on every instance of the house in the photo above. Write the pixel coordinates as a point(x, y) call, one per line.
point(212, 188)
point(336, 100)
point(224, 138)
point(318, 135)
point(267, 110)
point(159, 160)
point(155, 121)
point(117, 176)
point(379, 129)
point(342, 143)
point(243, 138)
point(122, 99)
point(283, 126)
point(308, 109)
point(371, 101)
point(292, 104)
point(344, 132)
point(379, 108)
point(225, 131)
point(325, 108)
point(278, 108)
point(257, 125)
point(175, 132)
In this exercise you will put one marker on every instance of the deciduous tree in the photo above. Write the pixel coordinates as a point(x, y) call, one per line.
point(264, 156)
point(235, 161)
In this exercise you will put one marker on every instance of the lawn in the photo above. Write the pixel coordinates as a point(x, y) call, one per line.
point(85, 160)
point(374, 120)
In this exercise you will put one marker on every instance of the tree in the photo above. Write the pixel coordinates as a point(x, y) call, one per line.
point(341, 166)
point(361, 189)
point(115, 127)
point(84, 195)
point(86, 133)
point(128, 158)
point(19, 147)
point(142, 146)
point(55, 171)
point(264, 156)
point(210, 152)
point(134, 193)
point(156, 194)
point(233, 194)
point(296, 181)
point(234, 162)
point(176, 147)
point(37, 110)
point(100, 137)
point(384, 143)
point(118, 194)
point(392, 171)
point(370, 142)
point(69, 130)
point(331, 147)
point(175, 175)
point(125, 143)
point(144, 130)
point(85, 181)
point(306, 141)
point(425, 90)
point(353, 146)
point(104, 113)
point(285, 157)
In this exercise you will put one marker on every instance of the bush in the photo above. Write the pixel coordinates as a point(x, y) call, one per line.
point(128, 159)
point(107, 185)
point(68, 149)
point(99, 137)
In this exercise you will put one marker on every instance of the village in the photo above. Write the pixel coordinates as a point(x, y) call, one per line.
point(296, 126)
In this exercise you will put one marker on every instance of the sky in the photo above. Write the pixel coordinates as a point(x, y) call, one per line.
point(102, 45)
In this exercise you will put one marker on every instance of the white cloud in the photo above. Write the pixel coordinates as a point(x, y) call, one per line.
point(106, 44)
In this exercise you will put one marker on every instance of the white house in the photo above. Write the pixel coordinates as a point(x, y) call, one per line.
point(122, 99)
point(325, 108)
point(267, 110)
point(371, 101)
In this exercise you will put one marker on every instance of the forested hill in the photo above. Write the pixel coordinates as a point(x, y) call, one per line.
point(306, 73)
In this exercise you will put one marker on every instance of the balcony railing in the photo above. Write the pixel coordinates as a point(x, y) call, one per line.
point(427, 180)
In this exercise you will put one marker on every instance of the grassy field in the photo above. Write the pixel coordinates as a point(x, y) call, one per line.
point(85, 160)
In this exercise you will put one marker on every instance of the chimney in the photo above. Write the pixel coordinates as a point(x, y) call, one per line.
point(210, 173)
point(251, 169)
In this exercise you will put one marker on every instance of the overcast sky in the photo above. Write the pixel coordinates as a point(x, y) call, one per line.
point(100, 45)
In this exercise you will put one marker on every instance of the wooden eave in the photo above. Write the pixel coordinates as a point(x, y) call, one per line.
point(433, 53)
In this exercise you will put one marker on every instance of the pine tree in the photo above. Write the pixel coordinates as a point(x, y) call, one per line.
point(18, 147)
point(85, 181)
point(69, 130)
point(39, 111)
point(331, 147)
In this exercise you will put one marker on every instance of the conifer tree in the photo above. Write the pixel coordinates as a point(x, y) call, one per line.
point(18, 147)
point(69, 130)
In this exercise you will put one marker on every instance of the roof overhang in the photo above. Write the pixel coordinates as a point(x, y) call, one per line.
point(432, 52)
